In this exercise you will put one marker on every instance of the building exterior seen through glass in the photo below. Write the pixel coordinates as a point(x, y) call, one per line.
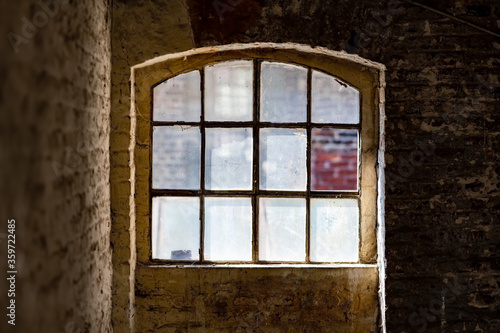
point(255, 161)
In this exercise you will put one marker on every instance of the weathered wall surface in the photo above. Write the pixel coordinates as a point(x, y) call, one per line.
point(54, 130)
point(257, 300)
point(141, 31)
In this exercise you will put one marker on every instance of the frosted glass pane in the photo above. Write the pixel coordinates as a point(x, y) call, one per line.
point(176, 228)
point(334, 159)
point(283, 159)
point(282, 229)
point(228, 158)
point(332, 101)
point(334, 230)
point(176, 157)
point(178, 98)
point(228, 229)
point(283, 93)
point(229, 91)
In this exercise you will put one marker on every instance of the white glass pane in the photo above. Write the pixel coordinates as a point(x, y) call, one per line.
point(176, 157)
point(178, 98)
point(334, 230)
point(228, 158)
point(229, 91)
point(283, 159)
point(282, 229)
point(176, 228)
point(228, 229)
point(283, 93)
point(334, 159)
point(333, 101)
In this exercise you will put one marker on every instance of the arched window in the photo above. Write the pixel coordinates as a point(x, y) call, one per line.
point(256, 156)
point(257, 169)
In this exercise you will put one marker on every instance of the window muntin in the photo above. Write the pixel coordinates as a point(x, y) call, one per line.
point(284, 148)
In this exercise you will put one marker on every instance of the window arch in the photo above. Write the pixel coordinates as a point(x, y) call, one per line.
point(303, 113)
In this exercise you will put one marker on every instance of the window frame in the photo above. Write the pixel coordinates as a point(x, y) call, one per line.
point(362, 77)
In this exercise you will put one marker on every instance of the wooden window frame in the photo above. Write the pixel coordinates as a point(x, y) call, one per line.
point(362, 75)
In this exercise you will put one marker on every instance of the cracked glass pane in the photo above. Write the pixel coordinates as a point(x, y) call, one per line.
point(333, 101)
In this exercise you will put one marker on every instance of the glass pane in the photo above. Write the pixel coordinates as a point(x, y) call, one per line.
point(178, 98)
point(282, 229)
point(334, 159)
point(283, 93)
point(283, 159)
point(228, 158)
point(176, 228)
point(334, 230)
point(333, 101)
point(176, 157)
point(228, 229)
point(229, 91)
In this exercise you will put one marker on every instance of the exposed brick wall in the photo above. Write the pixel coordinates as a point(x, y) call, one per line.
point(334, 159)
point(132, 31)
point(54, 129)
point(256, 299)
point(442, 127)
point(443, 177)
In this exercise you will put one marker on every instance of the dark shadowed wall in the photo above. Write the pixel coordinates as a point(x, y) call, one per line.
point(54, 129)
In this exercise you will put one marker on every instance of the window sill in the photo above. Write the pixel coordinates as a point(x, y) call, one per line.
point(194, 265)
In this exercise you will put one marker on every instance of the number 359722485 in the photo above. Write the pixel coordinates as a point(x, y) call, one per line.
point(11, 252)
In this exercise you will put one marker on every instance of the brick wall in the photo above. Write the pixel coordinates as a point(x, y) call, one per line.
point(130, 31)
point(54, 129)
point(334, 159)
